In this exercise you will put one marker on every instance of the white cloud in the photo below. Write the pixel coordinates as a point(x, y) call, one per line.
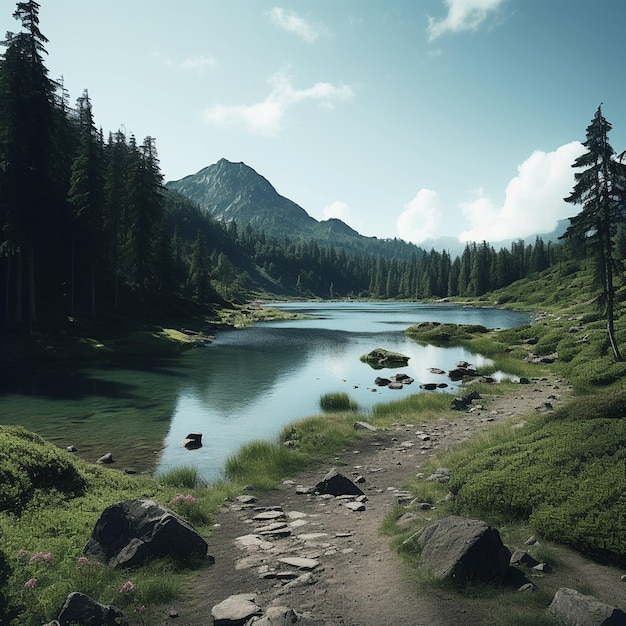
point(197, 64)
point(421, 217)
point(462, 15)
point(293, 23)
point(266, 117)
point(533, 201)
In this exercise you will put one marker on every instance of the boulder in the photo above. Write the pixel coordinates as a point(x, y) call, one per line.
point(464, 549)
point(192, 441)
point(575, 609)
point(459, 373)
point(132, 531)
point(336, 484)
point(81, 609)
point(463, 402)
point(236, 610)
point(380, 358)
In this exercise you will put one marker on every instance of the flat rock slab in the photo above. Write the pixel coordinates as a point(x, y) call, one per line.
point(299, 562)
point(265, 516)
point(312, 536)
point(253, 541)
point(236, 610)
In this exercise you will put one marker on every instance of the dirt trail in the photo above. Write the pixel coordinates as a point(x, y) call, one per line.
point(355, 578)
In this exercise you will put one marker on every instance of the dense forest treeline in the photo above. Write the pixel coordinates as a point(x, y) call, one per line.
point(87, 225)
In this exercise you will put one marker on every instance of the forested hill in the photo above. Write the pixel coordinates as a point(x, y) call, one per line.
point(235, 192)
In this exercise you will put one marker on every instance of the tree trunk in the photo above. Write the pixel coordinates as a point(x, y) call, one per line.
point(32, 308)
point(19, 280)
point(610, 301)
point(7, 288)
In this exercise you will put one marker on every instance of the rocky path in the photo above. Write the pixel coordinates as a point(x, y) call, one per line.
point(325, 557)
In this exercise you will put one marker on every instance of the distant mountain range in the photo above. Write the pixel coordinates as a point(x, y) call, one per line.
point(235, 192)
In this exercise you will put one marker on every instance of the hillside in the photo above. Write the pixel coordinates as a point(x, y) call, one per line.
point(234, 192)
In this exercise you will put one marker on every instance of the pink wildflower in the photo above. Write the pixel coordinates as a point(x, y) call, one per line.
point(186, 498)
point(21, 552)
point(127, 587)
point(82, 560)
point(31, 583)
point(40, 556)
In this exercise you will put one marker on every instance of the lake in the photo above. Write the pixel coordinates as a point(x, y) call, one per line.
point(246, 385)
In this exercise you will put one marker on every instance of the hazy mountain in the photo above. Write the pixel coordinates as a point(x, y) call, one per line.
point(456, 247)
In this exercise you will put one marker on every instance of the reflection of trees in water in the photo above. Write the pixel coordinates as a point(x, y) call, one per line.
point(240, 369)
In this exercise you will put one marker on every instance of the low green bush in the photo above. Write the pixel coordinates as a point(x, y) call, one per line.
point(564, 472)
point(29, 464)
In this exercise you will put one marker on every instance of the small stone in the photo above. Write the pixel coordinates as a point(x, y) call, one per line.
point(245, 499)
point(355, 506)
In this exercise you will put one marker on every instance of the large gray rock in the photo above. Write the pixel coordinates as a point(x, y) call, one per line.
point(337, 484)
point(576, 609)
point(464, 549)
point(81, 610)
point(236, 610)
point(130, 532)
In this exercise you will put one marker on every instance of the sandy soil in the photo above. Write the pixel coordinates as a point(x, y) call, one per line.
point(359, 580)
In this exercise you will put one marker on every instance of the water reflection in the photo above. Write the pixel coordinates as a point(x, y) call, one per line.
point(246, 385)
point(251, 382)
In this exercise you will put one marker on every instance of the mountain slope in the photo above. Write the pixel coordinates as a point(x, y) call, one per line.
point(235, 192)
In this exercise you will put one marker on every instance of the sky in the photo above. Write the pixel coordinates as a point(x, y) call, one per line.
point(414, 119)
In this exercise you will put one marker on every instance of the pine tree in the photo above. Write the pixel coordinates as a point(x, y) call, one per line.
point(599, 188)
point(26, 153)
point(88, 200)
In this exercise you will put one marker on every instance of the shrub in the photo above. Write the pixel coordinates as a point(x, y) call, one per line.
point(565, 473)
point(28, 464)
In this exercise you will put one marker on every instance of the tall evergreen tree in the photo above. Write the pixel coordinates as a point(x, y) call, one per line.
point(26, 152)
point(599, 188)
point(88, 200)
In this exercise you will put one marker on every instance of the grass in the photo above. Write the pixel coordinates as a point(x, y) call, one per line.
point(337, 401)
point(55, 501)
point(181, 477)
